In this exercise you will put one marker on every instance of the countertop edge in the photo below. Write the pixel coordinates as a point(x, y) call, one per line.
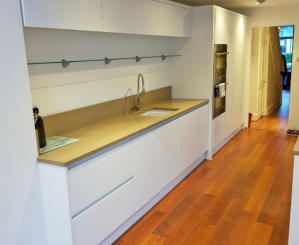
point(101, 150)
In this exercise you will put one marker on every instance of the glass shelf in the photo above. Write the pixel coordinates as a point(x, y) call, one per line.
point(65, 63)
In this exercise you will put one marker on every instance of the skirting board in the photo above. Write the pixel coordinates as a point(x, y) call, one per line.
point(227, 139)
point(256, 117)
point(141, 212)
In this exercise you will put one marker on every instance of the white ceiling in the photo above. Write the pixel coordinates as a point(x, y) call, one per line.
point(237, 3)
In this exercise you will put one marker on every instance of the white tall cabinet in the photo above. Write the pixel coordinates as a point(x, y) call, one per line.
point(192, 74)
point(232, 28)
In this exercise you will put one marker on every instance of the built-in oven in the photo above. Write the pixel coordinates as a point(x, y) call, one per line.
point(220, 83)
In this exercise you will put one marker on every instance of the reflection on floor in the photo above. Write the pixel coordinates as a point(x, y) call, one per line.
point(284, 109)
point(242, 196)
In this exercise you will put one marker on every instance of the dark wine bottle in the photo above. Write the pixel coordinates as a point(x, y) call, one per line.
point(39, 126)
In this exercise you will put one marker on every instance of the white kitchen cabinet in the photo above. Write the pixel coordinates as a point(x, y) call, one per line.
point(130, 16)
point(148, 167)
point(169, 150)
point(193, 129)
point(201, 129)
point(97, 200)
point(162, 154)
point(92, 226)
point(63, 14)
point(146, 17)
point(90, 181)
point(174, 20)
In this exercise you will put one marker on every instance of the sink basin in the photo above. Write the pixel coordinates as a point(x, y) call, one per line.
point(157, 112)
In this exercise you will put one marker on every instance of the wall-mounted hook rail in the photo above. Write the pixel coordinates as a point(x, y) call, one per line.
point(65, 63)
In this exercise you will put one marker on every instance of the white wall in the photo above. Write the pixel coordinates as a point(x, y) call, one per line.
point(276, 16)
point(55, 89)
point(257, 86)
point(21, 214)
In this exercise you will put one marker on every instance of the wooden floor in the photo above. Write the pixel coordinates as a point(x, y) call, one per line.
point(242, 196)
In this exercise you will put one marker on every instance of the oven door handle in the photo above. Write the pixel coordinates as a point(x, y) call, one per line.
point(217, 85)
point(221, 53)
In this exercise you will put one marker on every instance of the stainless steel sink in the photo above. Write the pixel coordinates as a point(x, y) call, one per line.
point(157, 112)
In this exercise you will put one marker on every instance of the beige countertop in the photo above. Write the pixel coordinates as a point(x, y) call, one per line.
point(103, 134)
point(296, 148)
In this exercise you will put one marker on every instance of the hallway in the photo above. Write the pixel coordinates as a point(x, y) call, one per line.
point(242, 196)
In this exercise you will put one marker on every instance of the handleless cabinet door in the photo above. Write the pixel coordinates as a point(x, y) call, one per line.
point(169, 150)
point(148, 168)
point(193, 136)
point(63, 14)
point(188, 140)
point(130, 16)
point(201, 129)
point(175, 20)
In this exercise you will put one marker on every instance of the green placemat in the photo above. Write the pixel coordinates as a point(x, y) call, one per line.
point(55, 142)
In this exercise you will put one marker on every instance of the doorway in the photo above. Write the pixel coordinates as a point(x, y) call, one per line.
point(286, 38)
point(271, 69)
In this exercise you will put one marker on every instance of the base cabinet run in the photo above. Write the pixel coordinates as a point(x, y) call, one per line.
point(88, 203)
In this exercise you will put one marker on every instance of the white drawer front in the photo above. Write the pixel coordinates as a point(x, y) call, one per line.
point(97, 177)
point(97, 222)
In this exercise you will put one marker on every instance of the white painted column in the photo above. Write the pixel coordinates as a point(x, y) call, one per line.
point(21, 211)
point(54, 184)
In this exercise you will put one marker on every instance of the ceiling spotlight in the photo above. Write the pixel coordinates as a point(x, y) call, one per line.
point(260, 1)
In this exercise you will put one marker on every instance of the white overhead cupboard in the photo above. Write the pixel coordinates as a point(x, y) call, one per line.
point(146, 17)
point(63, 14)
point(95, 201)
point(130, 16)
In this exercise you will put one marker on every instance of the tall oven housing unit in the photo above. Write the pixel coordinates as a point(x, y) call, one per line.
point(220, 83)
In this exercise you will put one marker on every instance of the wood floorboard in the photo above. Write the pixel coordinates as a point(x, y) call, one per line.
point(242, 196)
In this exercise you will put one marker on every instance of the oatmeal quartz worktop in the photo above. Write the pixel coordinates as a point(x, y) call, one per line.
point(106, 133)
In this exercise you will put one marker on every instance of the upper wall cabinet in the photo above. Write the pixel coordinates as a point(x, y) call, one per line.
point(145, 17)
point(63, 14)
point(131, 16)
point(174, 20)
